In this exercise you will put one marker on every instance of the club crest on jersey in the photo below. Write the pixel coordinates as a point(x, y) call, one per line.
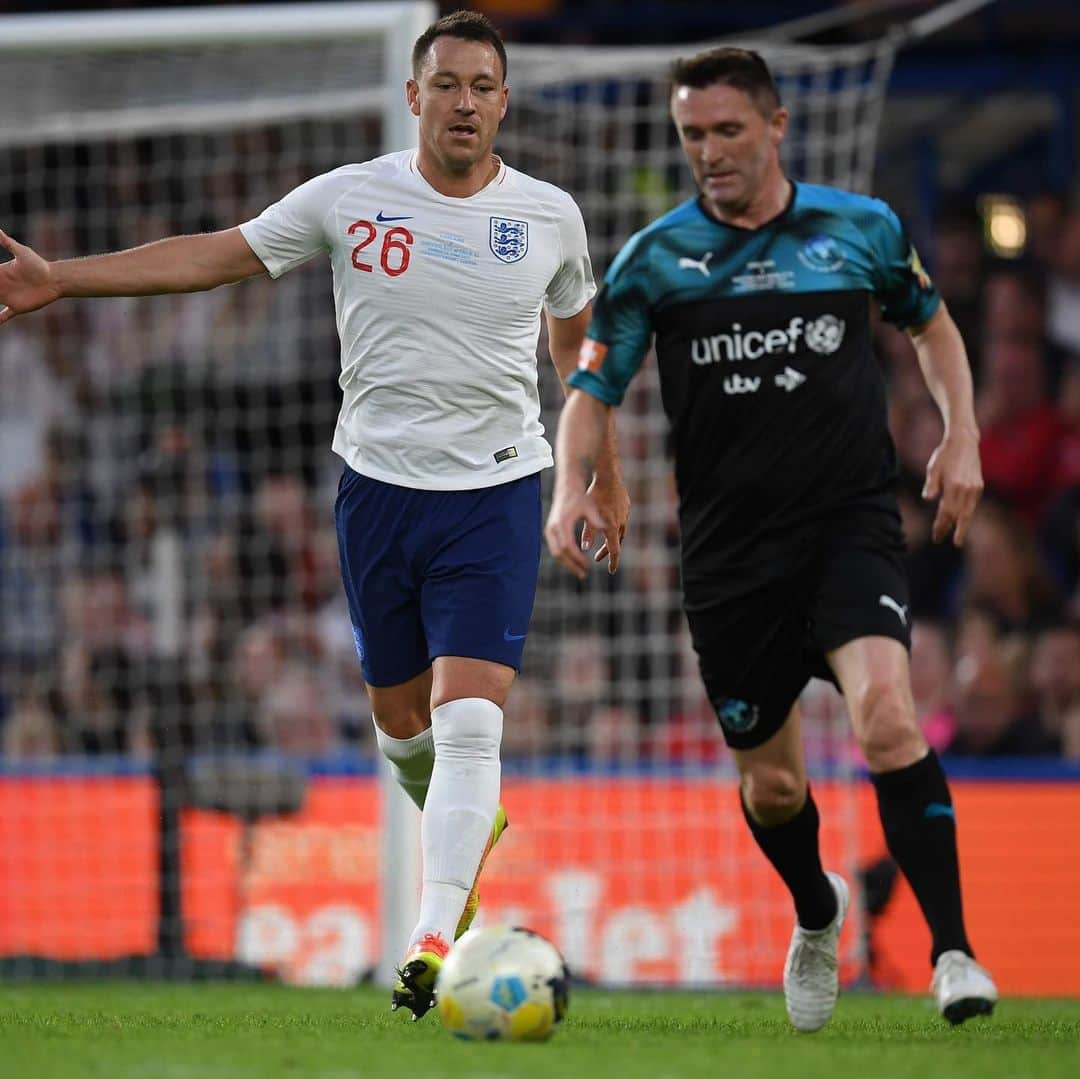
point(509, 239)
point(822, 254)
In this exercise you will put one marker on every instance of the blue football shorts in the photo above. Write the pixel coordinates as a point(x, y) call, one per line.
point(437, 573)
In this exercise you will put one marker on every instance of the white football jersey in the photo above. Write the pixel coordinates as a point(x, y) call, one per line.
point(438, 309)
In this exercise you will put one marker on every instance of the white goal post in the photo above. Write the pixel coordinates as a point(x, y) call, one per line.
point(166, 567)
point(143, 98)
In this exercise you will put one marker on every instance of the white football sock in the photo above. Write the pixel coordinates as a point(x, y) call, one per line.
point(410, 761)
point(460, 809)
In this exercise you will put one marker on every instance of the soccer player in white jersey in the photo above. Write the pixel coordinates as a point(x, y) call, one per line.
point(443, 260)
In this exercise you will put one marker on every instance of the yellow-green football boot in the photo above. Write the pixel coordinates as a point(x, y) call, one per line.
point(472, 904)
point(415, 985)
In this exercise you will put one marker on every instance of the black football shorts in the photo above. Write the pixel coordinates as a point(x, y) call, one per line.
point(844, 579)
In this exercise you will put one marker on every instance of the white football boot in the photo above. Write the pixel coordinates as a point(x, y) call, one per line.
point(961, 987)
point(811, 973)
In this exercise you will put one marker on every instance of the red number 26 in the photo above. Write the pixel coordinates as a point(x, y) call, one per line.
point(394, 256)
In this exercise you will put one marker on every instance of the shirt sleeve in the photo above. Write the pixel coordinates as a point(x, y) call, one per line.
point(290, 232)
point(908, 297)
point(573, 285)
point(620, 332)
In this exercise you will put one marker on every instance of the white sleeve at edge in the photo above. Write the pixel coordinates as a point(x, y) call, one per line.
point(573, 286)
point(290, 232)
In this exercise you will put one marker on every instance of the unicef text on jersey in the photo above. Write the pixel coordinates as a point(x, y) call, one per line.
point(823, 335)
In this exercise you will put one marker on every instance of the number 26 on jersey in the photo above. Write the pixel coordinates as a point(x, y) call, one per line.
point(393, 254)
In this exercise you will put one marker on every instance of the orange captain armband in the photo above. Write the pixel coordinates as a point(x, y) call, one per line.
point(592, 355)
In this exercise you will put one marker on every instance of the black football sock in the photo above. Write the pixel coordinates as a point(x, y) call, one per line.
point(920, 828)
point(792, 847)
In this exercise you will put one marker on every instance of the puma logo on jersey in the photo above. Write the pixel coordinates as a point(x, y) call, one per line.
point(899, 608)
point(701, 264)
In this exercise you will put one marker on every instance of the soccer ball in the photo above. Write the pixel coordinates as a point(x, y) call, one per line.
point(502, 983)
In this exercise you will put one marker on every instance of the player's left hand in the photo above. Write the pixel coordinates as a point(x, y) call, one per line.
point(954, 475)
point(568, 507)
point(612, 502)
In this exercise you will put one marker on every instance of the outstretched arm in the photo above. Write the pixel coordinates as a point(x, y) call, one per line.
point(582, 425)
point(611, 500)
point(178, 264)
point(954, 472)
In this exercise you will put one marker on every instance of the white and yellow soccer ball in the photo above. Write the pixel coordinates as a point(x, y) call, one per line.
point(503, 983)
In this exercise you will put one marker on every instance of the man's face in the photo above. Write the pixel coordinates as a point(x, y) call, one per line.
point(730, 145)
point(461, 100)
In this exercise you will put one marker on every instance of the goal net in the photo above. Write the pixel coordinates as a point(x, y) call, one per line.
point(188, 771)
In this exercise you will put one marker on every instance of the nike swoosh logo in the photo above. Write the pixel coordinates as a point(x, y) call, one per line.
point(937, 809)
point(508, 636)
point(382, 220)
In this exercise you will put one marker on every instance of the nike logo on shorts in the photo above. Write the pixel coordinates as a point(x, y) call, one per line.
point(382, 220)
point(508, 636)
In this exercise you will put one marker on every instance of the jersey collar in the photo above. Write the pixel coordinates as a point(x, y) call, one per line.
point(496, 181)
point(792, 196)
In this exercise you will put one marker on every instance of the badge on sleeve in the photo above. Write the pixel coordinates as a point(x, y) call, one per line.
point(915, 263)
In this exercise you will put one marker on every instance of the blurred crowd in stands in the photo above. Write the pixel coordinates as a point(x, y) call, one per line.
point(168, 565)
point(996, 650)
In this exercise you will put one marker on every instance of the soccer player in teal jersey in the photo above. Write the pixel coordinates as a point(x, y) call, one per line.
point(757, 294)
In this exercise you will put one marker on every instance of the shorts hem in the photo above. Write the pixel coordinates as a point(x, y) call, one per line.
point(390, 684)
point(830, 643)
point(462, 653)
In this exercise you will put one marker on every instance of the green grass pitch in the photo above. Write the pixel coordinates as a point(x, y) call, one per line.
point(154, 1031)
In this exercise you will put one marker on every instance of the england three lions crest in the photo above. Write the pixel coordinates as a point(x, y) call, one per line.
point(509, 239)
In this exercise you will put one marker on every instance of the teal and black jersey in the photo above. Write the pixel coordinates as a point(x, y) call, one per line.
point(774, 397)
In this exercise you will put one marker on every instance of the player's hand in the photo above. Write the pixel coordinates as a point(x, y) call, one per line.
point(954, 475)
point(567, 508)
point(612, 502)
point(25, 281)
